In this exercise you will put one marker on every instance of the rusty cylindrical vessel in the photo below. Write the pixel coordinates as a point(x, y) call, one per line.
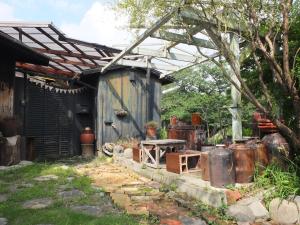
point(261, 157)
point(87, 136)
point(204, 161)
point(173, 120)
point(221, 167)
point(244, 161)
point(277, 146)
point(196, 119)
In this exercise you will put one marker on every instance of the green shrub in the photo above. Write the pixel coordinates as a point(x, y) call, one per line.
point(281, 182)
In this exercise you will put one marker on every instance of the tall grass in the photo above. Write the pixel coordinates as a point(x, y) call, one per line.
point(278, 182)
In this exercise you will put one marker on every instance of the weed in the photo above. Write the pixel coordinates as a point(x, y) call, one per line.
point(281, 182)
point(168, 187)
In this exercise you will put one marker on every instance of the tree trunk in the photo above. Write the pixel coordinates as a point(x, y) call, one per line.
point(291, 137)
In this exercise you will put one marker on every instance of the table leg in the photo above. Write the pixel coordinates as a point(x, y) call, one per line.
point(157, 155)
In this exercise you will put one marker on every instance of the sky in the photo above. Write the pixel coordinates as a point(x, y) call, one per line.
point(88, 20)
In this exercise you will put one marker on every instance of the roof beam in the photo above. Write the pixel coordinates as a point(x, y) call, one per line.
point(74, 63)
point(141, 64)
point(190, 65)
point(195, 16)
point(69, 54)
point(23, 24)
point(166, 55)
point(185, 39)
point(45, 70)
point(141, 38)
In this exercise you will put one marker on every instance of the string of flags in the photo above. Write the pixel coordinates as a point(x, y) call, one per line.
point(56, 89)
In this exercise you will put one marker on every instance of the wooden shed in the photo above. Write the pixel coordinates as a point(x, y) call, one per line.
point(126, 101)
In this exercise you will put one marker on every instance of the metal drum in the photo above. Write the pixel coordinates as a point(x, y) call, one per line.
point(244, 161)
point(278, 148)
point(260, 153)
point(221, 167)
point(204, 161)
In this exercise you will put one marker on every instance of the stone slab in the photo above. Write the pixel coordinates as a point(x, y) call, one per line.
point(46, 177)
point(241, 213)
point(283, 211)
point(71, 194)
point(3, 221)
point(192, 186)
point(37, 203)
point(89, 210)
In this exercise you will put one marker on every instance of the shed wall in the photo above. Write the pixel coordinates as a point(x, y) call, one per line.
point(52, 121)
point(6, 87)
point(126, 89)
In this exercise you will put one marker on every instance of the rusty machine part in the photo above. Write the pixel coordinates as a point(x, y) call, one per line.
point(221, 167)
point(244, 161)
point(260, 153)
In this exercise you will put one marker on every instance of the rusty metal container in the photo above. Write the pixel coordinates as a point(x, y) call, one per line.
point(204, 165)
point(173, 120)
point(204, 161)
point(196, 119)
point(277, 146)
point(191, 134)
point(244, 159)
point(261, 156)
point(221, 167)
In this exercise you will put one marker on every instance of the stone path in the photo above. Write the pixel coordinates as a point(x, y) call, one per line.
point(37, 203)
point(3, 221)
point(137, 195)
point(46, 178)
point(71, 194)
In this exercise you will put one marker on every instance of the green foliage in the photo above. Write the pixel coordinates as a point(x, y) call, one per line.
point(219, 213)
point(281, 182)
point(168, 187)
point(202, 89)
point(59, 212)
point(152, 124)
point(163, 134)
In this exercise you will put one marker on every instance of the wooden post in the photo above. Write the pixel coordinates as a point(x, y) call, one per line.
point(235, 94)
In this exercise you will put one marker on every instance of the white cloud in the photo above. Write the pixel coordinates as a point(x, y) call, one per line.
point(6, 12)
point(100, 24)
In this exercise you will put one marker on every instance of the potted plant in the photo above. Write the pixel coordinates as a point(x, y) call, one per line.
point(151, 127)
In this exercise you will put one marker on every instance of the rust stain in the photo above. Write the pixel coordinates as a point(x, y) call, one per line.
point(6, 100)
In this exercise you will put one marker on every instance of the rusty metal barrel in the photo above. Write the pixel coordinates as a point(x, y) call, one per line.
point(261, 156)
point(221, 167)
point(244, 161)
point(204, 161)
point(278, 148)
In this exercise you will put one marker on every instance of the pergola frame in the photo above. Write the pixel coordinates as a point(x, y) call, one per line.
point(175, 38)
point(72, 58)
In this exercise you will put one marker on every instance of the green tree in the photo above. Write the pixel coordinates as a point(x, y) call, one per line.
point(268, 28)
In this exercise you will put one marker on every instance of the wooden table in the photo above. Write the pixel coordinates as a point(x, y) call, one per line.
point(153, 151)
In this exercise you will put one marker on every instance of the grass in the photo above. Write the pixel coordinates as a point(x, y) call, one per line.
point(280, 182)
point(59, 212)
point(212, 215)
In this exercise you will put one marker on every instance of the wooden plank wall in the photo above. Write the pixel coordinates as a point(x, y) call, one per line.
point(115, 92)
point(6, 87)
